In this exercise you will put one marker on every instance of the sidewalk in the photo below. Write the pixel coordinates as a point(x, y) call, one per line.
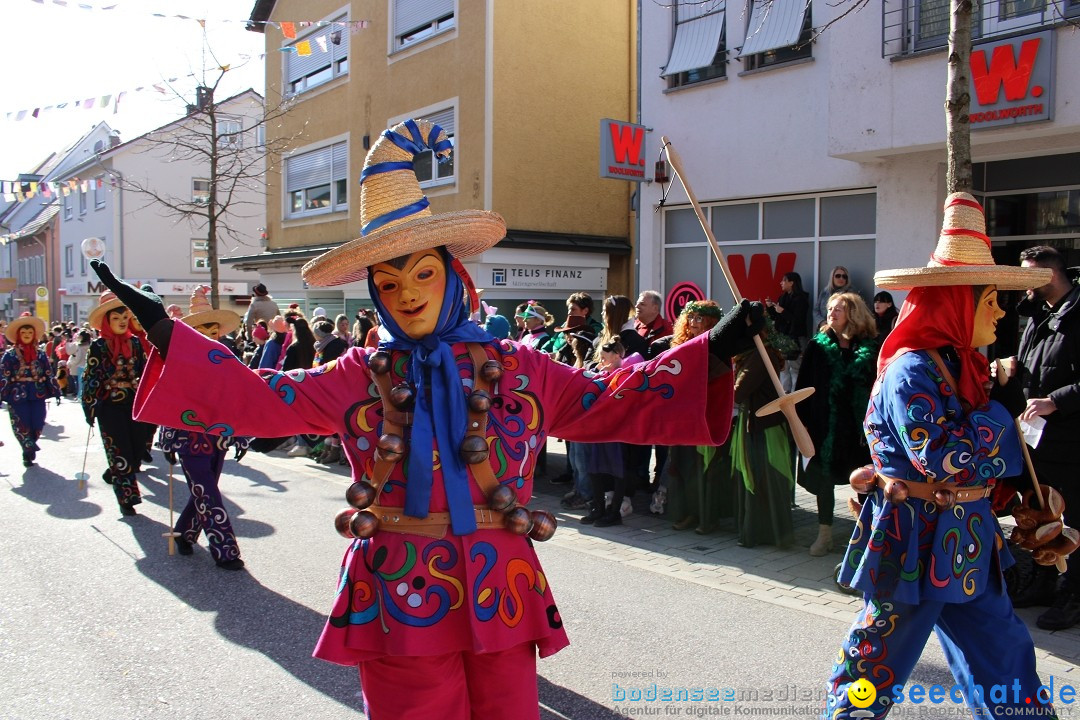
point(790, 578)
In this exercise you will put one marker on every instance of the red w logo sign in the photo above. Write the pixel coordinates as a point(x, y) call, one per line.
point(1004, 71)
point(626, 142)
point(762, 280)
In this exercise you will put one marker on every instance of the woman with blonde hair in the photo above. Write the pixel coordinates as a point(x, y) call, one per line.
point(537, 320)
point(840, 364)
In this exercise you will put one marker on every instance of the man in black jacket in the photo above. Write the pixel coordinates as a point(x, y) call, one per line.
point(1050, 355)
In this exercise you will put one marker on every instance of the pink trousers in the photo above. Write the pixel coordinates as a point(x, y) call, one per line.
point(455, 686)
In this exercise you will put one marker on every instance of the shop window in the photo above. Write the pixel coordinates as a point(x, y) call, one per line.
point(1052, 212)
point(326, 56)
point(779, 31)
point(698, 51)
point(316, 182)
point(418, 20)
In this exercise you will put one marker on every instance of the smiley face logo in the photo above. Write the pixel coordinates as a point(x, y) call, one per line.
point(862, 693)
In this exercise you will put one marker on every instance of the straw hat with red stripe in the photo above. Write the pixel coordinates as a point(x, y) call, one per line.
point(394, 216)
point(108, 301)
point(962, 256)
point(11, 332)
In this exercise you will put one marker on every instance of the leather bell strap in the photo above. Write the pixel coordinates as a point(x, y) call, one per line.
point(925, 490)
point(435, 524)
point(383, 467)
point(481, 471)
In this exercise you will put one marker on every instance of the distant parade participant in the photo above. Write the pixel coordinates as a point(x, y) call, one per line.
point(113, 367)
point(26, 382)
point(202, 457)
point(442, 603)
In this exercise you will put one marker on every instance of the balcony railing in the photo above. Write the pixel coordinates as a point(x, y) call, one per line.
point(911, 26)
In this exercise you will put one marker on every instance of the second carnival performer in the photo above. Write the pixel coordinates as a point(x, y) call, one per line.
point(442, 603)
point(202, 457)
point(114, 364)
point(26, 383)
point(927, 551)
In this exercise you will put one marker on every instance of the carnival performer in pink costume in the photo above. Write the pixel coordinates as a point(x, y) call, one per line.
point(441, 603)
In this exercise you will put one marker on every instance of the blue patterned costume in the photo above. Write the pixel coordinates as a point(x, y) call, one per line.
point(923, 569)
point(25, 387)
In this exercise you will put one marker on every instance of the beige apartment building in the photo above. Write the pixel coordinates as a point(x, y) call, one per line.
point(520, 86)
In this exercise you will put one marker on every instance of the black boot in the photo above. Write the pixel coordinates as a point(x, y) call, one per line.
point(1031, 584)
point(594, 514)
point(1065, 612)
point(28, 458)
point(127, 510)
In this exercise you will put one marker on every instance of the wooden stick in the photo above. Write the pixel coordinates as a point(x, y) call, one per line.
point(172, 534)
point(785, 403)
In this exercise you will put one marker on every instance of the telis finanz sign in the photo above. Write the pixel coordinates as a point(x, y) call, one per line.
point(1013, 81)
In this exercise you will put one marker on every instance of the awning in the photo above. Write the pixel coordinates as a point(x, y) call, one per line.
point(774, 24)
point(698, 30)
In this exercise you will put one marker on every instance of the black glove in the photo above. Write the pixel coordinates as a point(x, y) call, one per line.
point(1011, 395)
point(240, 453)
point(728, 337)
point(146, 306)
point(88, 413)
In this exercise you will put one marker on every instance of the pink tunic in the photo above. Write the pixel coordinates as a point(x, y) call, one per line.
point(403, 594)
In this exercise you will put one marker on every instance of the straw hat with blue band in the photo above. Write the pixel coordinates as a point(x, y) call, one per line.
point(394, 214)
point(962, 256)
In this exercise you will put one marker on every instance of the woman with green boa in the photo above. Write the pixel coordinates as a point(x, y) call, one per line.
point(761, 448)
point(840, 364)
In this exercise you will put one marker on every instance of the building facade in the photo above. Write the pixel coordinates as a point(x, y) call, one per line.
point(815, 138)
point(520, 89)
point(122, 195)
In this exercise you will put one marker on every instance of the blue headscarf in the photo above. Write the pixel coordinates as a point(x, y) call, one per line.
point(448, 425)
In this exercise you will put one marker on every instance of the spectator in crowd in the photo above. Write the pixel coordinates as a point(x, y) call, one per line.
point(1050, 367)
point(537, 321)
point(580, 342)
point(317, 316)
point(885, 314)
point(77, 359)
point(60, 352)
point(498, 326)
point(519, 320)
point(262, 307)
point(301, 351)
point(839, 281)
point(371, 340)
point(361, 326)
point(791, 315)
point(648, 322)
point(273, 354)
point(329, 347)
point(840, 364)
point(618, 324)
point(607, 460)
point(341, 329)
point(580, 304)
point(761, 448)
point(694, 475)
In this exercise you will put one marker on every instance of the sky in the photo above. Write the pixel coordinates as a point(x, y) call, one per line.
point(85, 51)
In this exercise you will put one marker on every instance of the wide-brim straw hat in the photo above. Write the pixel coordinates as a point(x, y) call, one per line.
point(201, 312)
point(108, 301)
point(962, 256)
point(395, 219)
point(11, 332)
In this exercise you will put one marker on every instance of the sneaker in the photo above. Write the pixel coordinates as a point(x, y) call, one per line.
point(627, 507)
point(1064, 614)
point(659, 499)
point(298, 450)
point(608, 520)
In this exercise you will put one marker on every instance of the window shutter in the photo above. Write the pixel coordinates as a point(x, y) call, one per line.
point(299, 67)
point(412, 14)
point(698, 29)
point(444, 119)
point(307, 170)
point(340, 154)
point(774, 24)
point(342, 31)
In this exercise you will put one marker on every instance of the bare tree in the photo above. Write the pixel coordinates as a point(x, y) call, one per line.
point(958, 177)
point(235, 159)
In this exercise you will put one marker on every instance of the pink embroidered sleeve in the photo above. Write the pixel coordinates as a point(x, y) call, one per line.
point(666, 401)
point(203, 386)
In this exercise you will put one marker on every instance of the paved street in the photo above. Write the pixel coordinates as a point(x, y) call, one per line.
point(98, 621)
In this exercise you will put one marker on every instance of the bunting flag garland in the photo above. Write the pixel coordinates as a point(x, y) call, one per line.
point(13, 190)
